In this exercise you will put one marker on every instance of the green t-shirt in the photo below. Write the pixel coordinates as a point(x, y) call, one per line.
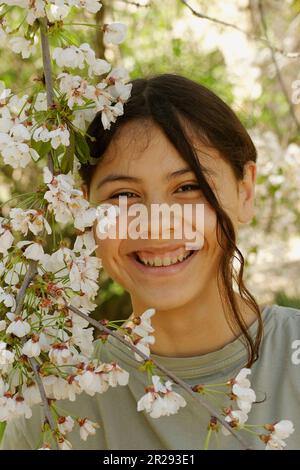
point(275, 378)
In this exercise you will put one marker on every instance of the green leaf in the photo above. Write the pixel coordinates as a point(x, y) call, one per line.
point(2, 429)
point(82, 150)
point(42, 148)
point(66, 163)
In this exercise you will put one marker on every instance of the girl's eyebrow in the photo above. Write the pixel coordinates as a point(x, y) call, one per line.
point(116, 177)
point(119, 177)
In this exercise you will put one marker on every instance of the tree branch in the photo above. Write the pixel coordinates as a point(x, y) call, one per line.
point(139, 5)
point(29, 276)
point(32, 270)
point(290, 55)
point(47, 410)
point(277, 69)
point(165, 371)
point(47, 73)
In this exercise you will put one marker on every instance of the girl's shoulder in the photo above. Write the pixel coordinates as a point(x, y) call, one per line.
point(282, 334)
point(280, 315)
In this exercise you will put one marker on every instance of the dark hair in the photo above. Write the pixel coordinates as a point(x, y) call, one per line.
point(174, 102)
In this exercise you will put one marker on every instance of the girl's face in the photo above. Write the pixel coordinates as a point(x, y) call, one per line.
point(143, 165)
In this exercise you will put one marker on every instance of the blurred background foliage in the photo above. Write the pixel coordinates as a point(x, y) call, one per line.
point(249, 63)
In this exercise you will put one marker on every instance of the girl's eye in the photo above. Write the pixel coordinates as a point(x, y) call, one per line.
point(188, 187)
point(123, 193)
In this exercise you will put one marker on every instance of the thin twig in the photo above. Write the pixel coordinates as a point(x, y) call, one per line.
point(29, 276)
point(47, 73)
point(139, 5)
point(32, 269)
point(165, 371)
point(277, 69)
point(290, 55)
point(35, 367)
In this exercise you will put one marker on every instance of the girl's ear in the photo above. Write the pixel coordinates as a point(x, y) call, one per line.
point(247, 193)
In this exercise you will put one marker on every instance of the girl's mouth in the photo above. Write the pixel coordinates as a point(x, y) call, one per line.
point(162, 264)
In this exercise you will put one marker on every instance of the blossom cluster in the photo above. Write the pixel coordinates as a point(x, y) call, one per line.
point(39, 8)
point(160, 399)
point(138, 332)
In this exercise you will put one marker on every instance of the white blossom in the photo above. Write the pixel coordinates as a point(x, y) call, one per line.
point(31, 394)
point(60, 136)
point(3, 387)
point(74, 87)
point(18, 154)
point(6, 358)
point(33, 251)
point(61, 389)
point(7, 299)
point(87, 428)
point(40, 103)
point(85, 243)
point(19, 327)
point(91, 6)
point(114, 33)
point(65, 424)
point(245, 395)
point(21, 408)
point(32, 347)
point(22, 46)
point(64, 444)
point(7, 408)
point(280, 430)
point(59, 12)
point(31, 219)
point(36, 9)
point(160, 400)
point(236, 418)
point(6, 238)
point(92, 382)
point(84, 272)
point(4, 93)
point(71, 56)
point(60, 354)
point(114, 374)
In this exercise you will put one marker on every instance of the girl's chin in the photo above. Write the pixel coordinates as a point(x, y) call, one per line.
point(162, 300)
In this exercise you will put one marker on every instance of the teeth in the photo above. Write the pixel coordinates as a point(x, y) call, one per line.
point(163, 261)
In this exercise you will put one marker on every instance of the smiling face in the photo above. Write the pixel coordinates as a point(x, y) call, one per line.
point(143, 165)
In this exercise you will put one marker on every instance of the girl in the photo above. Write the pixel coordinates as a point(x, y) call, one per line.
point(178, 143)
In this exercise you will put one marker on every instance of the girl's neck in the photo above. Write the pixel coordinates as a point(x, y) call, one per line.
point(196, 328)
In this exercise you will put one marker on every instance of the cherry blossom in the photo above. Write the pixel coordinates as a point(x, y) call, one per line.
point(160, 400)
point(6, 358)
point(279, 431)
point(242, 392)
point(65, 424)
point(87, 428)
point(6, 237)
point(114, 33)
point(33, 251)
point(31, 219)
point(18, 327)
point(22, 46)
point(114, 374)
point(236, 419)
point(32, 347)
